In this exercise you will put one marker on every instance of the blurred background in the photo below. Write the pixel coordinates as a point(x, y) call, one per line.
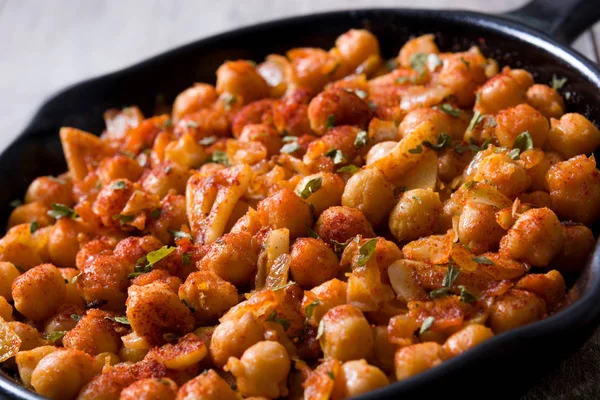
point(46, 45)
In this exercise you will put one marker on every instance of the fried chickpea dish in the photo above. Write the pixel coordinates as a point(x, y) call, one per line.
point(318, 225)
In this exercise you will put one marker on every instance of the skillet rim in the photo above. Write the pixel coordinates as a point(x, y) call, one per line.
point(581, 313)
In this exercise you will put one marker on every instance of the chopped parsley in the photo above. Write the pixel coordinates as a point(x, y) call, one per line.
point(426, 325)
point(483, 260)
point(312, 186)
point(448, 109)
point(281, 321)
point(121, 320)
point(219, 157)
point(330, 122)
point(557, 83)
point(331, 375)
point(188, 305)
point(309, 310)
point(33, 226)
point(207, 141)
point(76, 317)
point(191, 124)
point(444, 141)
point(290, 147)
point(350, 169)
point(336, 155)
point(362, 139)
point(118, 185)
point(180, 234)
point(156, 213)
point(15, 203)
point(452, 273)
point(365, 252)
point(522, 143)
point(416, 150)
point(54, 336)
point(123, 219)
point(418, 62)
point(60, 211)
point(466, 296)
point(229, 100)
point(477, 118)
point(186, 258)
point(312, 233)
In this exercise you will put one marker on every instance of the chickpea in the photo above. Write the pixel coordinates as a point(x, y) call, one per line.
point(284, 209)
point(549, 286)
point(48, 190)
point(39, 292)
point(538, 199)
point(104, 359)
point(240, 78)
point(573, 134)
point(150, 389)
point(232, 257)
point(72, 294)
point(359, 377)
point(415, 215)
point(478, 229)
point(164, 177)
point(356, 46)
point(132, 355)
point(379, 151)
point(208, 295)
point(579, 242)
point(95, 333)
point(262, 370)
point(465, 339)
point(509, 177)
point(343, 327)
point(192, 99)
point(537, 163)
point(8, 274)
point(186, 151)
point(30, 336)
point(63, 321)
point(416, 358)
point(536, 238)
point(6, 310)
point(323, 298)
point(342, 223)
point(516, 120)
point(329, 193)
point(206, 386)
point(232, 337)
point(574, 187)
point(154, 310)
point(335, 107)
point(262, 133)
point(63, 243)
point(442, 123)
point(451, 163)
point(311, 67)
point(523, 77)
point(35, 211)
point(499, 93)
point(256, 113)
point(546, 100)
point(515, 308)
point(422, 44)
point(312, 262)
point(61, 374)
point(27, 360)
point(463, 73)
point(370, 192)
point(383, 349)
point(119, 167)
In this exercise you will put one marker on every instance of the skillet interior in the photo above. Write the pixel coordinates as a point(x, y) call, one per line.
point(518, 356)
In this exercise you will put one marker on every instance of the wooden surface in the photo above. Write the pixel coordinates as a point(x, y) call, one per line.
point(48, 44)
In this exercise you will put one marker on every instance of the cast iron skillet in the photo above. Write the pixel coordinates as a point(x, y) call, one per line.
point(503, 366)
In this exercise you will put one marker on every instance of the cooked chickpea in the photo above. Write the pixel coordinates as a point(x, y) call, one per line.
point(441, 121)
point(240, 78)
point(231, 338)
point(164, 177)
point(329, 193)
point(549, 286)
point(192, 99)
point(312, 262)
point(536, 238)
point(208, 295)
point(415, 215)
point(516, 120)
point(323, 298)
point(263, 133)
point(63, 242)
point(370, 192)
point(515, 308)
point(336, 107)
point(462, 73)
point(233, 258)
point(356, 46)
point(478, 229)
point(150, 389)
point(48, 190)
point(422, 44)
point(27, 360)
point(39, 292)
point(343, 327)
point(6, 309)
point(206, 386)
point(360, 377)
point(95, 333)
point(379, 151)
point(285, 209)
point(509, 177)
point(574, 187)
point(61, 374)
point(579, 242)
point(119, 167)
point(546, 100)
point(573, 134)
point(262, 370)
point(8, 274)
point(63, 320)
point(465, 339)
point(416, 358)
point(383, 349)
point(186, 151)
point(342, 223)
point(499, 93)
point(523, 77)
point(27, 213)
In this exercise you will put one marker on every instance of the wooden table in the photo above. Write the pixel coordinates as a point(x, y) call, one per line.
point(46, 45)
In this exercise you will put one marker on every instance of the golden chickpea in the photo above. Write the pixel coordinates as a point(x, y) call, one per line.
point(63, 243)
point(150, 389)
point(383, 349)
point(192, 99)
point(48, 190)
point(27, 361)
point(232, 257)
point(95, 333)
point(206, 386)
point(262, 133)
point(536, 238)
point(63, 321)
point(360, 377)
point(39, 292)
point(208, 295)
point(422, 44)
point(463, 73)
point(537, 163)
point(342, 223)
point(538, 199)
point(329, 193)
point(416, 358)
point(478, 229)
point(524, 78)
point(516, 120)
point(465, 339)
point(119, 167)
point(415, 215)
point(8, 274)
point(451, 163)
point(164, 177)
point(370, 192)
point(61, 374)
point(72, 296)
point(285, 209)
point(30, 336)
point(441, 121)
point(343, 327)
point(356, 46)
point(574, 187)
point(550, 287)
point(335, 107)
point(499, 93)
point(6, 310)
point(232, 337)
point(573, 134)
point(186, 151)
point(35, 211)
point(509, 177)
point(104, 359)
point(262, 370)
point(312, 262)
point(379, 151)
point(546, 100)
point(515, 308)
point(579, 242)
point(240, 78)
point(132, 355)
point(323, 298)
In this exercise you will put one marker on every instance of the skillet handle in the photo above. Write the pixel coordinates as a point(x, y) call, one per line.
point(563, 19)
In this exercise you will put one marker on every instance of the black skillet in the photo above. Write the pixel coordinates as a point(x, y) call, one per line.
point(535, 37)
